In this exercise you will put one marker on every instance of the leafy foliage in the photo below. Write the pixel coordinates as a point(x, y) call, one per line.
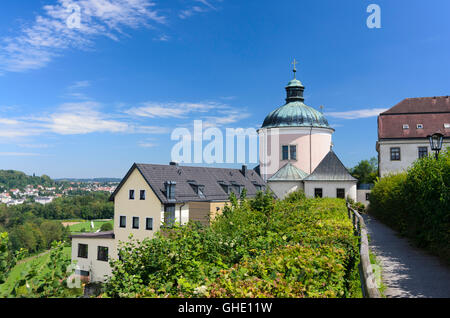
point(416, 203)
point(6, 258)
point(106, 227)
point(297, 247)
point(30, 226)
point(48, 282)
point(366, 171)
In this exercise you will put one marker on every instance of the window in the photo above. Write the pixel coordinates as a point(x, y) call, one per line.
point(102, 254)
point(289, 152)
point(82, 273)
point(131, 194)
point(123, 221)
point(318, 193)
point(169, 214)
point(285, 152)
point(405, 126)
point(149, 224)
point(447, 125)
point(142, 195)
point(423, 152)
point(135, 222)
point(395, 154)
point(340, 193)
point(367, 196)
point(293, 152)
point(82, 251)
point(170, 190)
point(419, 126)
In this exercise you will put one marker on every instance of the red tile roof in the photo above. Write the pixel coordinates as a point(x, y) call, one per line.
point(431, 112)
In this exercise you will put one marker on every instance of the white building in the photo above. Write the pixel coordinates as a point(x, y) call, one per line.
point(403, 131)
point(295, 143)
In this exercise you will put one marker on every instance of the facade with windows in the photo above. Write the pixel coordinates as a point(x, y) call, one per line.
point(152, 197)
point(403, 131)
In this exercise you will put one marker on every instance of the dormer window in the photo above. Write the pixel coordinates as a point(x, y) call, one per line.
point(419, 126)
point(405, 126)
point(170, 189)
point(225, 187)
point(198, 189)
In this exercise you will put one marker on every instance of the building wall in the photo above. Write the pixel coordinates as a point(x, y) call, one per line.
point(313, 144)
point(97, 269)
point(329, 188)
point(409, 152)
point(283, 188)
point(150, 207)
point(205, 212)
point(361, 196)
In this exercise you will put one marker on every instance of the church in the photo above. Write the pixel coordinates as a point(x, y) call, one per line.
point(296, 151)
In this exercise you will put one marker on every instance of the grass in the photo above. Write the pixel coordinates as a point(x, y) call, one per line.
point(41, 260)
point(86, 225)
point(379, 280)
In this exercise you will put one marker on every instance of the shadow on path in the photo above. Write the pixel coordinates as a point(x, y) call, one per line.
point(406, 270)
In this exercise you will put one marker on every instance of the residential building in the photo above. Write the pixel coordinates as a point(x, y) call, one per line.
point(150, 196)
point(403, 131)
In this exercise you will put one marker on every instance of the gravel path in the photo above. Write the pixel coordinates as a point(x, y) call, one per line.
point(406, 270)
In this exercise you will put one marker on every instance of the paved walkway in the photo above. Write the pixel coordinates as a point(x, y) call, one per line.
point(406, 271)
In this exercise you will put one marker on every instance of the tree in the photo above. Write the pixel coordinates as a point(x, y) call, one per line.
point(366, 171)
point(6, 259)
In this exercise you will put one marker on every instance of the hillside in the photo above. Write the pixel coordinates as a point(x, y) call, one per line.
point(11, 179)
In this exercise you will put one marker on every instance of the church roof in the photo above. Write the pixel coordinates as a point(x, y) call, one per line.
point(289, 172)
point(330, 169)
point(295, 114)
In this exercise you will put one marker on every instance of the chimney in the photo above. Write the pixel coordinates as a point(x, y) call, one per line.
point(244, 171)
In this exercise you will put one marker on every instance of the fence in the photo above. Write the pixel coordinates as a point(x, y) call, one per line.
point(368, 283)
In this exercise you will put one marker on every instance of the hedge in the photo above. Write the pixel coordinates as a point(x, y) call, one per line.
point(417, 203)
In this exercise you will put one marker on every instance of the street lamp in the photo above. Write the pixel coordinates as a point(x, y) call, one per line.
point(436, 142)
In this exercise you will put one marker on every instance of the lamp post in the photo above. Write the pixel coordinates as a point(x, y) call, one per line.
point(436, 142)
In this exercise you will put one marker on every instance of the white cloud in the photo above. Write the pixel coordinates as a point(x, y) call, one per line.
point(37, 44)
point(81, 118)
point(203, 6)
point(357, 114)
point(171, 110)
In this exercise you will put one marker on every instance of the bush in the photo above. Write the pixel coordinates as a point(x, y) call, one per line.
point(416, 203)
point(256, 248)
point(106, 227)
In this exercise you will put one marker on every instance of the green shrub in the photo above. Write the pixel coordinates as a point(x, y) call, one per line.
point(106, 227)
point(256, 248)
point(416, 203)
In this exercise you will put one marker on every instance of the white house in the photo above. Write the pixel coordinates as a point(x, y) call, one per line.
point(403, 131)
point(151, 195)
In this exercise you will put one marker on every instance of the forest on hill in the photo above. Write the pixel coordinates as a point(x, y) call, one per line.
point(10, 179)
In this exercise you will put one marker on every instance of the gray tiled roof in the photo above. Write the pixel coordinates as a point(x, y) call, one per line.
point(330, 169)
point(289, 172)
point(157, 175)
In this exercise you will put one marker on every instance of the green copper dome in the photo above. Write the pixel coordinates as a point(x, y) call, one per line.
point(295, 113)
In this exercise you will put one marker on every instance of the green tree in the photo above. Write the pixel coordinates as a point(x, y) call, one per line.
point(6, 258)
point(366, 171)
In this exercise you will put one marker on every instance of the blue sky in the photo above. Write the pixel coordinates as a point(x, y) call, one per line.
point(90, 101)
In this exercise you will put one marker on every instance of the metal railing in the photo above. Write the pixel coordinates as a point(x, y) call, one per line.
point(366, 273)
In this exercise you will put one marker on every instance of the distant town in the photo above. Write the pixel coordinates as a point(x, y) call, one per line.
point(44, 195)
